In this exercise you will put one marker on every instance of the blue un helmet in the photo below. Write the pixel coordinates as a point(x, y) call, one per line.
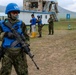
point(12, 7)
point(38, 16)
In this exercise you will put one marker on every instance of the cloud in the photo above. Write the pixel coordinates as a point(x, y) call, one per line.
point(5, 2)
point(68, 4)
point(71, 7)
point(65, 3)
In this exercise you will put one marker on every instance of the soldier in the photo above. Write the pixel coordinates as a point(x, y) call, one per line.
point(51, 25)
point(39, 21)
point(33, 25)
point(13, 56)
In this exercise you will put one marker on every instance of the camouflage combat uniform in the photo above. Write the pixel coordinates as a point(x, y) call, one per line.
point(39, 21)
point(51, 25)
point(15, 57)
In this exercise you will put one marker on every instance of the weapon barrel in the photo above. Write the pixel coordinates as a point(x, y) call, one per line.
point(31, 56)
point(35, 64)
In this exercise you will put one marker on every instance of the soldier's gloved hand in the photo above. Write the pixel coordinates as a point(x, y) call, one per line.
point(9, 35)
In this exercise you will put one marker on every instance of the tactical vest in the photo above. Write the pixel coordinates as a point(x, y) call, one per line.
point(7, 41)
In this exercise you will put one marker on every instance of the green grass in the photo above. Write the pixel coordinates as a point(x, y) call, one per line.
point(61, 25)
point(72, 19)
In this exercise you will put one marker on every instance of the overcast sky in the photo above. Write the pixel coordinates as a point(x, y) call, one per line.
point(5, 2)
point(67, 4)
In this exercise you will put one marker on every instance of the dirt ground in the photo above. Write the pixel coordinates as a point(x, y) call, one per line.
point(54, 54)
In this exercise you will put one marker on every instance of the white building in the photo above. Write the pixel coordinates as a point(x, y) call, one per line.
point(26, 16)
point(2, 16)
point(39, 7)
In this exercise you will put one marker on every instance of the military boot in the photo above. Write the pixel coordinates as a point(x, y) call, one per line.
point(40, 36)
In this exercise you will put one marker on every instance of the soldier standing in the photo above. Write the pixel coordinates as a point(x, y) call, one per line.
point(39, 21)
point(51, 25)
point(13, 55)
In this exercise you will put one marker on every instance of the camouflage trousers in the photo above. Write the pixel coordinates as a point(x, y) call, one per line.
point(40, 30)
point(51, 29)
point(15, 58)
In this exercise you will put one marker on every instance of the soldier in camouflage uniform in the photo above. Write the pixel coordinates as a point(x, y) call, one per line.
point(51, 25)
point(13, 56)
point(39, 21)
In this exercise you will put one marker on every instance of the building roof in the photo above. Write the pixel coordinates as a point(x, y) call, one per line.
point(39, 12)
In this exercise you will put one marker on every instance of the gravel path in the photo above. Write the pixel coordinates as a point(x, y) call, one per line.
point(54, 54)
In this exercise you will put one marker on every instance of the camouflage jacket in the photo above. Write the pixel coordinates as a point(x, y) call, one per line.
point(50, 20)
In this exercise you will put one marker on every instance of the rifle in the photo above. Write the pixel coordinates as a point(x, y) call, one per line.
point(20, 40)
